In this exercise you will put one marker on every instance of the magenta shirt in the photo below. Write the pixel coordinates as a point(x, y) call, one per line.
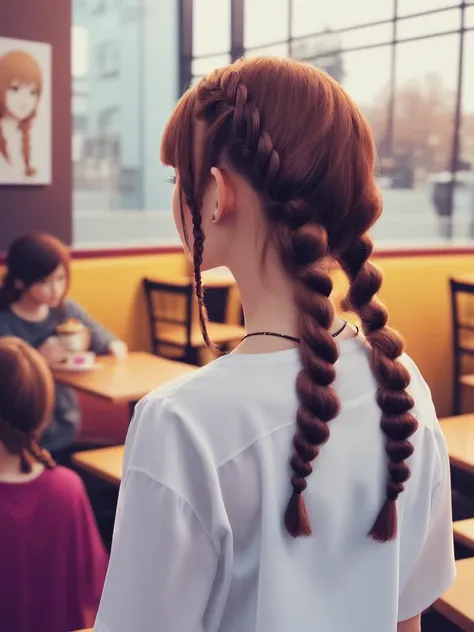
point(52, 560)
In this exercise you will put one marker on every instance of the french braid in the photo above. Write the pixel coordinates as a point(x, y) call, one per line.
point(303, 247)
point(398, 424)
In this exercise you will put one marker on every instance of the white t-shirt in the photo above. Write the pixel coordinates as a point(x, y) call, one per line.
point(199, 542)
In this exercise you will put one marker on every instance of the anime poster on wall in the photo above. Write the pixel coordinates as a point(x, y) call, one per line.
point(25, 112)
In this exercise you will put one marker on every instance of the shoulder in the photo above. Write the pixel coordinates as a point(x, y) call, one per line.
point(6, 317)
point(199, 393)
point(179, 428)
point(202, 399)
point(172, 442)
point(65, 483)
point(71, 308)
point(178, 406)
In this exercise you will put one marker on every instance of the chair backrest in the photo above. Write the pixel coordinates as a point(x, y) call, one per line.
point(462, 289)
point(163, 309)
point(462, 306)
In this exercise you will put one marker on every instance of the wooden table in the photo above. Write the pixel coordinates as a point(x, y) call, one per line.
point(459, 434)
point(464, 532)
point(124, 380)
point(217, 278)
point(457, 603)
point(105, 463)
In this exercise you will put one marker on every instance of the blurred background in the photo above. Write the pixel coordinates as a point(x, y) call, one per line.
point(407, 63)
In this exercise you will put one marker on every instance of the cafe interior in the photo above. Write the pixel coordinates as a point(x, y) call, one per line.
point(112, 71)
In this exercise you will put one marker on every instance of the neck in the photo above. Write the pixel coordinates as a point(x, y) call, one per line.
point(267, 298)
point(10, 468)
point(29, 309)
point(268, 303)
point(10, 464)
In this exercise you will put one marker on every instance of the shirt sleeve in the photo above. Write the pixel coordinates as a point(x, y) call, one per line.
point(100, 337)
point(434, 568)
point(162, 564)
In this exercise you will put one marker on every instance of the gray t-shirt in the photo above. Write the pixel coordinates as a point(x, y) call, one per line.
point(64, 425)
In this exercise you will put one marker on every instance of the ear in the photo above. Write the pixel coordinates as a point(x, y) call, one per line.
point(224, 195)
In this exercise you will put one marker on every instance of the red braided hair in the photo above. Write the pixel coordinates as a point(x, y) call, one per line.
point(26, 401)
point(25, 128)
point(303, 145)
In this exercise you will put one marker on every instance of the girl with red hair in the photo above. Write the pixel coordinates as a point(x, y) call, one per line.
point(275, 179)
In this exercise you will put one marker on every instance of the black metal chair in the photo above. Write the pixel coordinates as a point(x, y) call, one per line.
point(173, 332)
point(462, 291)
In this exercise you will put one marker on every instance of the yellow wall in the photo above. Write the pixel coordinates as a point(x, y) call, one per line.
point(415, 291)
point(110, 289)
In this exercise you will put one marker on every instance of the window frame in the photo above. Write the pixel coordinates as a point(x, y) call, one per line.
point(237, 50)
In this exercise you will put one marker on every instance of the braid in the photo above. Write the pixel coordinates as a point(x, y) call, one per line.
point(18, 442)
point(26, 147)
point(3, 144)
point(304, 250)
point(41, 455)
point(398, 424)
point(198, 249)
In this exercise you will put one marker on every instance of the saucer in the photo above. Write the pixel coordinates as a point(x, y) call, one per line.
point(78, 361)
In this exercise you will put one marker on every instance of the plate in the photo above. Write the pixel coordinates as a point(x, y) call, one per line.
point(79, 368)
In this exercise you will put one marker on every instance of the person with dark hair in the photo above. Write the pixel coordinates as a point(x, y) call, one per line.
point(33, 304)
point(53, 561)
point(275, 179)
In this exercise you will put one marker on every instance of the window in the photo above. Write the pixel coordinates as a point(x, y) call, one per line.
point(124, 85)
point(399, 60)
point(423, 125)
point(202, 66)
point(313, 16)
point(464, 189)
point(265, 22)
point(108, 59)
point(366, 77)
point(274, 50)
point(423, 25)
point(108, 121)
point(98, 6)
point(211, 36)
point(470, 17)
point(211, 27)
point(403, 74)
point(407, 7)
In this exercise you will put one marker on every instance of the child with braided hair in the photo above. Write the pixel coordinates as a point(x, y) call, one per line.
point(275, 179)
point(53, 561)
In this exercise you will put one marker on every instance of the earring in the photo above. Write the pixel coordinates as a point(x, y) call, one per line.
point(213, 217)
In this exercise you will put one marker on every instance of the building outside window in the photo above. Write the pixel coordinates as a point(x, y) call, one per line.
point(125, 68)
